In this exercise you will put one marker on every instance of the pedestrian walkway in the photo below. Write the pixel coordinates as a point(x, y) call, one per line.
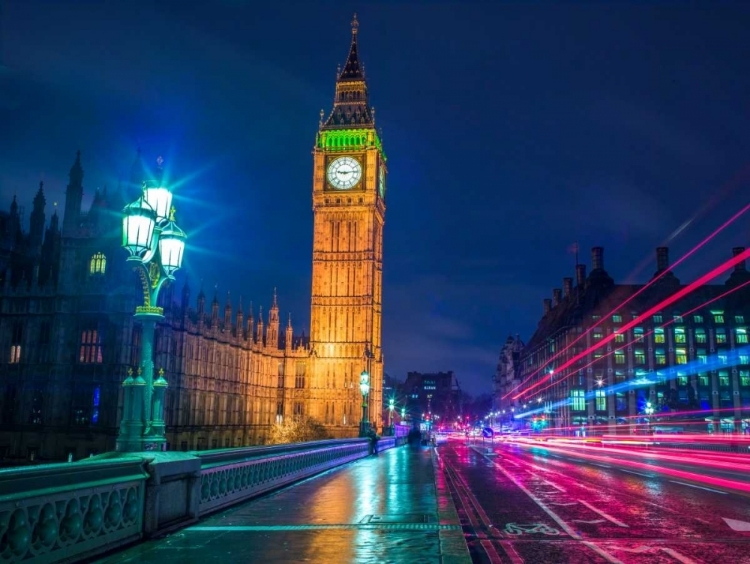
point(384, 508)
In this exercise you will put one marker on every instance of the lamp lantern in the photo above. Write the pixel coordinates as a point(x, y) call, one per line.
point(171, 246)
point(138, 225)
point(160, 199)
point(364, 382)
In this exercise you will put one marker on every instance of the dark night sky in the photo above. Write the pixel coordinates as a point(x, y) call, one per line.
point(512, 130)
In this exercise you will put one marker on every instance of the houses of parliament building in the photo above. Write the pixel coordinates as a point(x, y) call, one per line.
point(68, 337)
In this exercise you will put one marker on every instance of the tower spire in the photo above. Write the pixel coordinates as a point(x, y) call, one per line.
point(351, 104)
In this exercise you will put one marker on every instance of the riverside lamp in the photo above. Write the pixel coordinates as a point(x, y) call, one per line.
point(155, 245)
point(391, 407)
point(364, 387)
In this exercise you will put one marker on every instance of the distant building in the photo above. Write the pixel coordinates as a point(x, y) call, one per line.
point(692, 355)
point(508, 371)
point(432, 394)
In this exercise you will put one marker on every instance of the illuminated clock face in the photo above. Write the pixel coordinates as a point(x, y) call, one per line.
point(381, 183)
point(344, 173)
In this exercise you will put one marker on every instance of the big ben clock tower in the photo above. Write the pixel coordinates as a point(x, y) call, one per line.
point(349, 178)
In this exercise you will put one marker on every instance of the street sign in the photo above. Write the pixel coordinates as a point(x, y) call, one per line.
point(487, 432)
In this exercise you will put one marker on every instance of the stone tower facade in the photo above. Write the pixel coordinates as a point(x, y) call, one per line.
point(349, 181)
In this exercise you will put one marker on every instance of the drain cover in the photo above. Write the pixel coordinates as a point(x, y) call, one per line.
point(398, 518)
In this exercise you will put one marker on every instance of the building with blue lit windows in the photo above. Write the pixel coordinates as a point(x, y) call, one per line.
point(690, 360)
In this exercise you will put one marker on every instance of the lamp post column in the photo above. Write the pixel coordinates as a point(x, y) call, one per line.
point(153, 439)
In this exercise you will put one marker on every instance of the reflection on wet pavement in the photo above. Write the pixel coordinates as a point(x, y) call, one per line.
point(383, 508)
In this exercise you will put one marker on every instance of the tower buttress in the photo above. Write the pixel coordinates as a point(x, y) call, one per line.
point(289, 335)
point(272, 334)
point(260, 338)
point(36, 230)
point(73, 198)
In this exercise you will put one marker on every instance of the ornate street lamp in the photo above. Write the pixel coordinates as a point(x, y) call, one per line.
point(364, 387)
point(156, 245)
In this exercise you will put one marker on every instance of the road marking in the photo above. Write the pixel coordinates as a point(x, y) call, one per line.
point(699, 487)
point(600, 465)
point(565, 527)
point(673, 553)
point(594, 522)
point(492, 553)
point(558, 488)
point(516, 529)
point(605, 515)
point(564, 504)
point(606, 555)
point(735, 525)
point(510, 550)
point(638, 473)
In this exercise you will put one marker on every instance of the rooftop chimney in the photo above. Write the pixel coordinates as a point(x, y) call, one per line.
point(580, 274)
point(547, 305)
point(556, 297)
point(597, 258)
point(662, 258)
point(567, 286)
point(740, 266)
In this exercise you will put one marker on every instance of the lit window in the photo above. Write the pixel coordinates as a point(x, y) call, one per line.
point(677, 318)
point(91, 347)
point(601, 400)
point(661, 358)
point(698, 318)
point(739, 319)
point(659, 335)
point(679, 335)
point(98, 264)
point(744, 359)
point(745, 378)
point(619, 337)
point(617, 319)
point(723, 358)
point(640, 356)
point(723, 378)
point(721, 336)
point(638, 334)
point(657, 319)
point(718, 317)
point(700, 336)
point(619, 357)
point(703, 380)
point(15, 343)
point(680, 356)
point(741, 336)
point(95, 405)
point(682, 380)
point(701, 356)
point(598, 334)
point(578, 399)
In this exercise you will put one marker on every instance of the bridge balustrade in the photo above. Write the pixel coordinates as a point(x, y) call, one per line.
point(68, 512)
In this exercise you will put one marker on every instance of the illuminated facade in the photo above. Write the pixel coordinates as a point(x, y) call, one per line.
point(68, 340)
point(349, 175)
point(693, 356)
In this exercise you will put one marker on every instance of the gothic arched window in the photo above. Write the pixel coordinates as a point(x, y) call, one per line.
point(98, 264)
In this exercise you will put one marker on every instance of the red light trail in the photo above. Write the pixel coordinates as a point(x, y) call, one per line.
point(662, 326)
point(654, 309)
point(641, 290)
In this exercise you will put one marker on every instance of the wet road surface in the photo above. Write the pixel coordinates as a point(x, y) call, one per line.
point(384, 508)
point(537, 505)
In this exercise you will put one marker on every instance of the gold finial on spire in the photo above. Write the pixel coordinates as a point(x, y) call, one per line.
point(171, 213)
point(322, 113)
point(355, 24)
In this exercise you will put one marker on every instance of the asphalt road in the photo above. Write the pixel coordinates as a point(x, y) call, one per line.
point(540, 504)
